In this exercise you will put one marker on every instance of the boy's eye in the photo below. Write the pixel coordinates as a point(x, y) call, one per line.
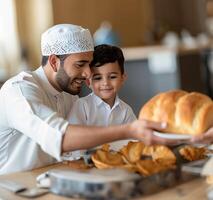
point(96, 78)
point(113, 77)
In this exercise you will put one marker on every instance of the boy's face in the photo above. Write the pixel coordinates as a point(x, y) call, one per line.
point(106, 81)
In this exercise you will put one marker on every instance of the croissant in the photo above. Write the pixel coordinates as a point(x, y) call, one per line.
point(184, 112)
point(193, 153)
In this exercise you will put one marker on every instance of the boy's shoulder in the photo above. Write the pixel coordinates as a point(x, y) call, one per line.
point(123, 104)
point(127, 108)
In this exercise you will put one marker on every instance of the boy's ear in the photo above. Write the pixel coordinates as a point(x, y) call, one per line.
point(53, 61)
point(124, 76)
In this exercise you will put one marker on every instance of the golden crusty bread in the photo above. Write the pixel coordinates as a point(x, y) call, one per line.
point(185, 113)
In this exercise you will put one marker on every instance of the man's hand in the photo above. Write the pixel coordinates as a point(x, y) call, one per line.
point(143, 130)
point(205, 138)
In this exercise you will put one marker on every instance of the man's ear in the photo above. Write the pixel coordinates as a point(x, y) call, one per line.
point(53, 61)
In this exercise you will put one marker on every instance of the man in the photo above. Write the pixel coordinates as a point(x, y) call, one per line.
point(34, 106)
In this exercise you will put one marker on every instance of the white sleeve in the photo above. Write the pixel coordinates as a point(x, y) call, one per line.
point(77, 113)
point(27, 112)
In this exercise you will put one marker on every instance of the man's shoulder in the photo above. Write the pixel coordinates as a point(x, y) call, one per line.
point(24, 82)
point(21, 78)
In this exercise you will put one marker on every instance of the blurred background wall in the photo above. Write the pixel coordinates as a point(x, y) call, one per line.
point(141, 25)
point(137, 22)
point(129, 18)
point(33, 17)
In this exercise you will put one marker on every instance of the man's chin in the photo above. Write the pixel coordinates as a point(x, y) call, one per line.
point(74, 92)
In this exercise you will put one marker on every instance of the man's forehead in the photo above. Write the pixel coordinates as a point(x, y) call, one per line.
point(82, 57)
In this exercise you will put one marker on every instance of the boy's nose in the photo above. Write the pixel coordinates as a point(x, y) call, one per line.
point(105, 81)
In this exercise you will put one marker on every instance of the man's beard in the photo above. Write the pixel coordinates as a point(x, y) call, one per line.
point(65, 82)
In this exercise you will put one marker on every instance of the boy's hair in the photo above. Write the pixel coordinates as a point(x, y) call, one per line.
point(104, 54)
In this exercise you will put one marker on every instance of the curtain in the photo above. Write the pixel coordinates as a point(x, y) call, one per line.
point(33, 18)
point(9, 43)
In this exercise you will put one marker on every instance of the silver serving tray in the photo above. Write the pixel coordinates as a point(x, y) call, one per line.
point(94, 183)
point(116, 183)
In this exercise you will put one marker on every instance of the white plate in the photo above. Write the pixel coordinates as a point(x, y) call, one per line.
point(172, 136)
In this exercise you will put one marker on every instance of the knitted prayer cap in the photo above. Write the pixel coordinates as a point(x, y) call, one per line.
point(65, 39)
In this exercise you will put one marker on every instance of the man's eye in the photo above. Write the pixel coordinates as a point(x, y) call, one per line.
point(80, 65)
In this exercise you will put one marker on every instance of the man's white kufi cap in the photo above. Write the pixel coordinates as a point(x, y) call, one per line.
point(65, 39)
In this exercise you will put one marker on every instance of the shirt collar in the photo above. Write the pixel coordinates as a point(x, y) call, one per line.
point(99, 101)
point(45, 83)
point(117, 102)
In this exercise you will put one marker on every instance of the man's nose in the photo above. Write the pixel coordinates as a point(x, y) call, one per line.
point(86, 72)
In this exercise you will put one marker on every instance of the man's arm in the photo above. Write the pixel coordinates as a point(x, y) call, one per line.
point(84, 137)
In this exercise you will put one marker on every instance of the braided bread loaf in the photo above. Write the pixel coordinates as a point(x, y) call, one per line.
point(185, 113)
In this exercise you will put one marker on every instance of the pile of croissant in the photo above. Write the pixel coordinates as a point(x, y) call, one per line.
point(143, 159)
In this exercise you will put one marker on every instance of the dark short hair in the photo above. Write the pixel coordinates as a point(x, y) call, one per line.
point(44, 59)
point(104, 54)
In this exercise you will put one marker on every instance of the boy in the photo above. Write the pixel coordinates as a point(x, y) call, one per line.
point(103, 107)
